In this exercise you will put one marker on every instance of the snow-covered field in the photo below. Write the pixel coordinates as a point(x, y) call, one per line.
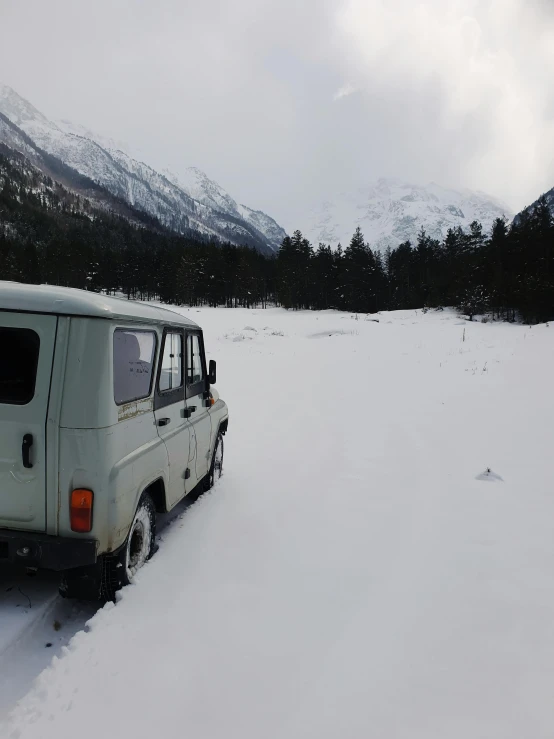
point(356, 573)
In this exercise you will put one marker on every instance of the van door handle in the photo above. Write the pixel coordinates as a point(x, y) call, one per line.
point(187, 412)
point(164, 421)
point(26, 450)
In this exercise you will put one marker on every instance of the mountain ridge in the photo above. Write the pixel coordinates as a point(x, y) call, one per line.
point(136, 182)
point(548, 196)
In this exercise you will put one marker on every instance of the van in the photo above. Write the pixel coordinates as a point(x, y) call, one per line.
point(107, 417)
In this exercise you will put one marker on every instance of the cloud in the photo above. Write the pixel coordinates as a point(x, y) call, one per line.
point(455, 91)
point(344, 91)
point(474, 73)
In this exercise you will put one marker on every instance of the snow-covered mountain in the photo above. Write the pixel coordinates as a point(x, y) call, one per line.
point(208, 192)
point(20, 150)
point(191, 201)
point(391, 212)
point(106, 142)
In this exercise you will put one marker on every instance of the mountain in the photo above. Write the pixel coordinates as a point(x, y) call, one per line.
point(549, 196)
point(50, 234)
point(205, 208)
point(20, 149)
point(391, 212)
point(38, 182)
point(209, 193)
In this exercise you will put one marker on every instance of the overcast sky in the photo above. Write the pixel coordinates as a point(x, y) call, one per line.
point(285, 102)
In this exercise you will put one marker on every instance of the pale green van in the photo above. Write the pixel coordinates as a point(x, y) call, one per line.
point(107, 417)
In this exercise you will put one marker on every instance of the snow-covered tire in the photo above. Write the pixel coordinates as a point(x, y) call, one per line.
point(113, 571)
point(120, 569)
point(216, 467)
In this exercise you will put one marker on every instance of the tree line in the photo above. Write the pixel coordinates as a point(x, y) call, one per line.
point(508, 273)
point(50, 235)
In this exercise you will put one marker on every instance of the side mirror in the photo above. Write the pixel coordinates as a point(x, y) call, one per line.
point(212, 374)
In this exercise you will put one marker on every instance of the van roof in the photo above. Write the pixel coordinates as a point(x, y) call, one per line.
point(67, 301)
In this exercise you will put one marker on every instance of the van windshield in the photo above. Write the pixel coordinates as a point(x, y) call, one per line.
point(19, 350)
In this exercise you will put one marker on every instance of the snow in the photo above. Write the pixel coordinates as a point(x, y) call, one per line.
point(36, 624)
point(390, 212)
point(264, 224)
point(375, 562)
point(111, 145)
point(193, 181)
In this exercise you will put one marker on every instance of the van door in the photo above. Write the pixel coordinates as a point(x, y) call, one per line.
point(169, 412)
point(197, 409)
point(26, 356)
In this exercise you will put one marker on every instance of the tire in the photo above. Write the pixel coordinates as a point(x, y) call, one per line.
point(120, 569)
point(114, 571)
point(216, 467)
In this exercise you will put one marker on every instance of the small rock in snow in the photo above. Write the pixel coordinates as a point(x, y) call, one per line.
point(489, 476)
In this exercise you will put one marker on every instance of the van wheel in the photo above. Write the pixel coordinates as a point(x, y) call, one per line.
point(120, 569)
point(113, 571)
point(216, 467)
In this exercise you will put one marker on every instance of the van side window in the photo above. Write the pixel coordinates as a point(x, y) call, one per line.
point(19, 349)
point(195, 365)
point(171, 373)
point(133, 358)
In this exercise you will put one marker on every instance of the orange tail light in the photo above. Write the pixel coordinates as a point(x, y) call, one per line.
point(81, 510)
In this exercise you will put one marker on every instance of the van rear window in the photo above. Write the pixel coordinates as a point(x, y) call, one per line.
point(19, 350)
point(133, 359)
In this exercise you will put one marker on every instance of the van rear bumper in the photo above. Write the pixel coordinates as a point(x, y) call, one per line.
point(46, 552)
